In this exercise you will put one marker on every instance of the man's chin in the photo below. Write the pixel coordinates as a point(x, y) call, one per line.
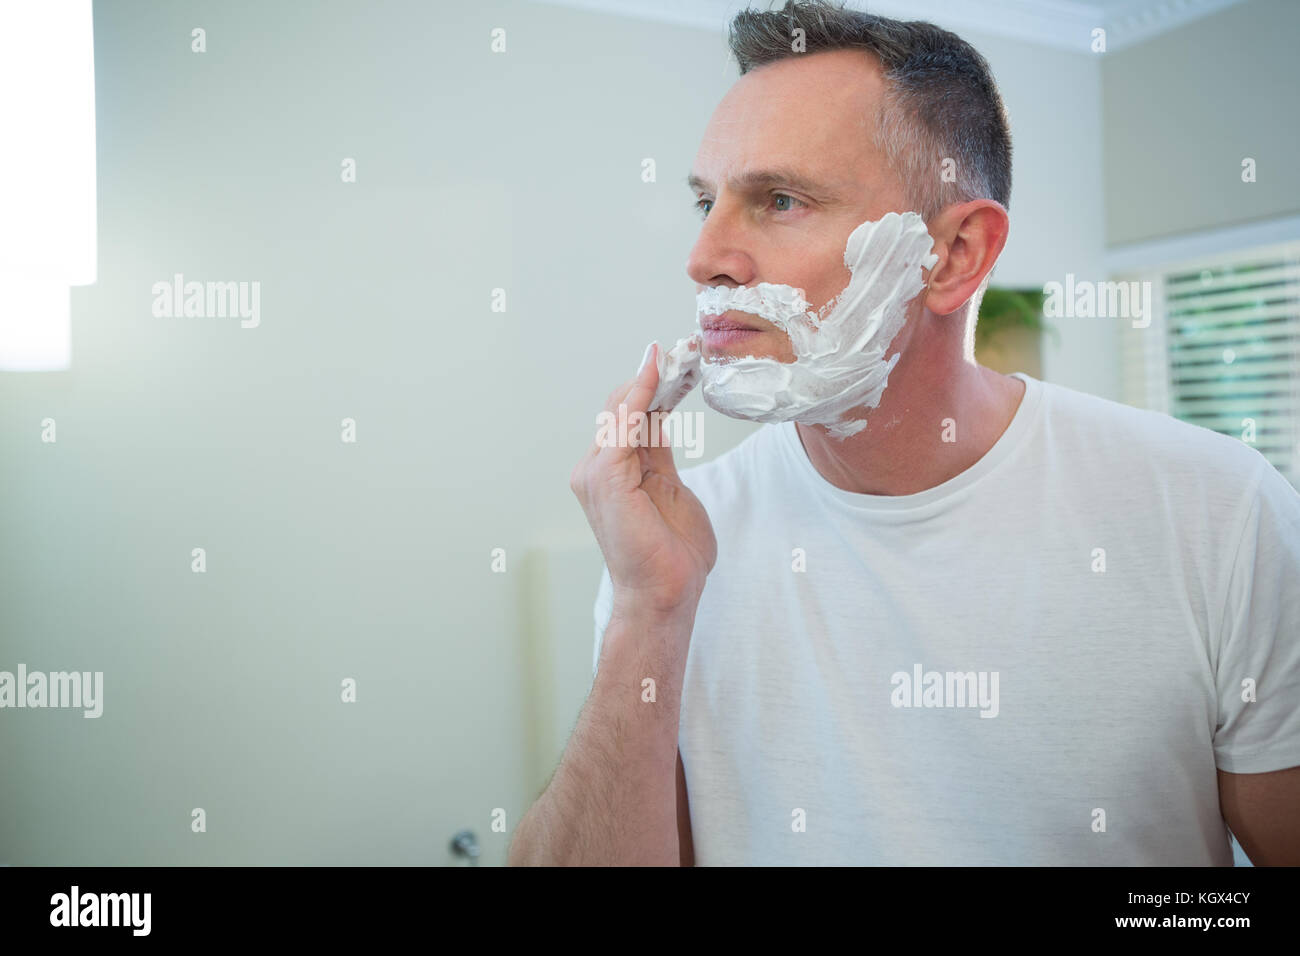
point(727, 355)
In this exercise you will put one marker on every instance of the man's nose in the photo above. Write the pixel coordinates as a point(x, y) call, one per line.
point(720, 255)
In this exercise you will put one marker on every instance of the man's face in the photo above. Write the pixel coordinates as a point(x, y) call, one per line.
point(786, 171)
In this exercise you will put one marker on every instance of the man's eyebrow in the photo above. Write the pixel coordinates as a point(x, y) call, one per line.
point(760, 179)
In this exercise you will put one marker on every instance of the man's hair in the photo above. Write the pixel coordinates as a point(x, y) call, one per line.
point(940, 102)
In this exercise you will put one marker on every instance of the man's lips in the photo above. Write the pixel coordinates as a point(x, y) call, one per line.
point(724, 323)
point(721, 331)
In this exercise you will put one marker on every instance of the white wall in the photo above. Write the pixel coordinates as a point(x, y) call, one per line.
point(328, 560)
point(1185, 108)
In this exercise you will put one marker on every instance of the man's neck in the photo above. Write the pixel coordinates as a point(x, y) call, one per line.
point(902, 450)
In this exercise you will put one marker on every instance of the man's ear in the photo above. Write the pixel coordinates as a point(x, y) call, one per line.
point(968, 240)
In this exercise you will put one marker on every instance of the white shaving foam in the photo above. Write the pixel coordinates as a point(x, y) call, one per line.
point(679, 371)
point(839, 349)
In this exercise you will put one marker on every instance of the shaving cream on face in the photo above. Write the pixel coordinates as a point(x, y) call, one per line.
point(679, 371)
point(839, 349)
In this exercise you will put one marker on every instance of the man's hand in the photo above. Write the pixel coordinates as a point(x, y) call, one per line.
point(654, 533)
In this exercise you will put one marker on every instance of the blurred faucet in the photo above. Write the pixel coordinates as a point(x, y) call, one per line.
point(465, 844)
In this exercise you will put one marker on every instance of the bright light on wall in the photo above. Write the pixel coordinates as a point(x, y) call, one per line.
point(47, 177)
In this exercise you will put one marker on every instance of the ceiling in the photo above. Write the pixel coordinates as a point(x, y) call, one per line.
point(1065, 24)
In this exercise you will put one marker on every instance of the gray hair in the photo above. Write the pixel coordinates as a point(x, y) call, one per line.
point(941, 101)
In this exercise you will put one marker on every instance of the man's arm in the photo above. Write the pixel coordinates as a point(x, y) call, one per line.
point(1259, 732)
point(1263, 812)
point(614, 799)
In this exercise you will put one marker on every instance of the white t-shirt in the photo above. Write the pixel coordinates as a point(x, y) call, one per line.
point(1086, 608)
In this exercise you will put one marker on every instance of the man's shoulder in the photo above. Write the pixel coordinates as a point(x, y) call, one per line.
point(1110, 435)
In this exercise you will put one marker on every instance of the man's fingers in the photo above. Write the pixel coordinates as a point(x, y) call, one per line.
point(658, 458)
point(620, 393)
point(645, 383)
point(627, 424)
point(628, 434)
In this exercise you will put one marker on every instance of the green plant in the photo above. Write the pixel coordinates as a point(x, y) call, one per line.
point(1007, 309)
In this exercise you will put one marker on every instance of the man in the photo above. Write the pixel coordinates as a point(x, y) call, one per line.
point(976, 620)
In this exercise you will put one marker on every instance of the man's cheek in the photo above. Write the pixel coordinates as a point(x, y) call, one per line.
point(834, 357)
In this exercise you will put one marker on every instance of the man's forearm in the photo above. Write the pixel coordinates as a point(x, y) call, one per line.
point(613, 798)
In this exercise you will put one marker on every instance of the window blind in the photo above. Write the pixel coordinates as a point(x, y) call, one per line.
point(1223, 350)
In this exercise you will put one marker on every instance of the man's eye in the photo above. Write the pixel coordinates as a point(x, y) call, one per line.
point(700, 204)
